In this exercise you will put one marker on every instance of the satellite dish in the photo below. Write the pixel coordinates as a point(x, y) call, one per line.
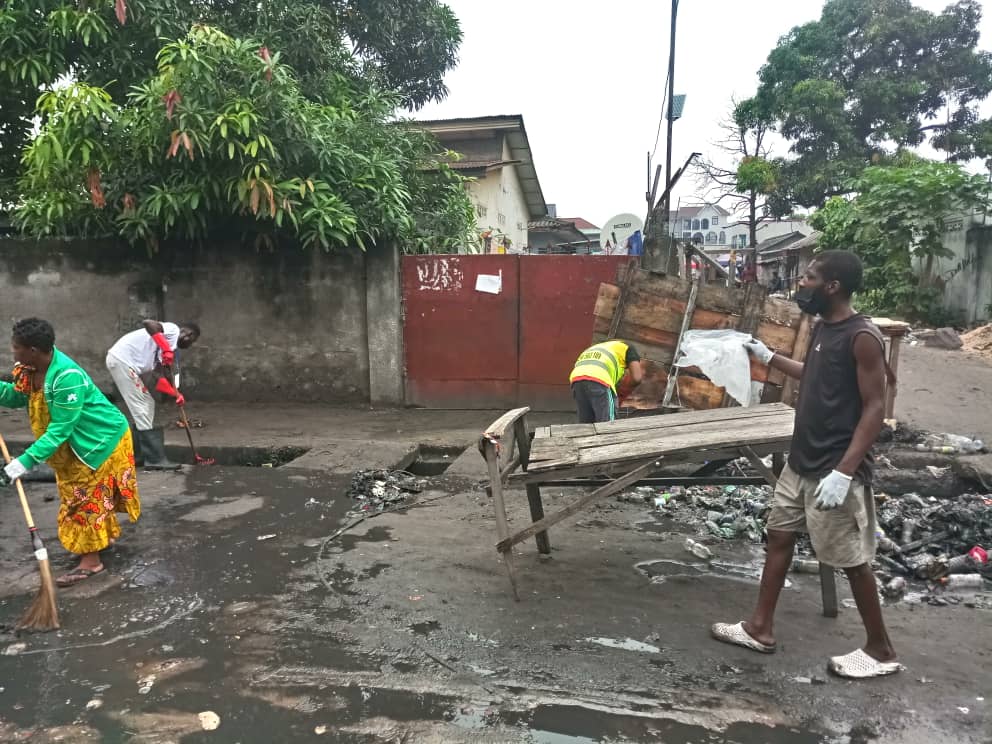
point(613, 235)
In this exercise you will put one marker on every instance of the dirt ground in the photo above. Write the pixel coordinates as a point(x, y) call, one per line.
point(945, 391)
point(237, 595)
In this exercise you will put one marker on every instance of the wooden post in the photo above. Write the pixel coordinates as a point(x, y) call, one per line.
point(537, 514)
point(890, 392)
point(828, 590)
point(502, 525)
point(690, 308)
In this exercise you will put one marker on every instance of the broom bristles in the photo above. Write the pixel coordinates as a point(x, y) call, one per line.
point(43, 613)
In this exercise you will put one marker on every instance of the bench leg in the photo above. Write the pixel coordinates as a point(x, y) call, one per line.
point(537, 513)
point(828, 590)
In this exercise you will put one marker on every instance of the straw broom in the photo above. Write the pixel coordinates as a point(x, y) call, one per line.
point(43, 614)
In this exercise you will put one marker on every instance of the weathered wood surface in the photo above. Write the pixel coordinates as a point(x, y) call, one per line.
point(686, 435)
point(653, 310)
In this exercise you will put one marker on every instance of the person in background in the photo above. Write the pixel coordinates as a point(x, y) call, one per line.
point(82, 436)
point(604, 374)
point(825, 489)
point(776, 284)
point(138, 357)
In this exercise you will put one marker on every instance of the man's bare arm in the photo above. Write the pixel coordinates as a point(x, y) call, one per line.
point(152, 326)
point(871, 386)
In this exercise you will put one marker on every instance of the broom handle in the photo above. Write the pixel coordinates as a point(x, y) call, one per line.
point(182, 413)
point(20, 489)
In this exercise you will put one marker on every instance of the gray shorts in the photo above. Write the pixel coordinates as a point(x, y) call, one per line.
point(843, 537)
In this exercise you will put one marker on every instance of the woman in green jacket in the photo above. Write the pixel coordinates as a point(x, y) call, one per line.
point(82, 436)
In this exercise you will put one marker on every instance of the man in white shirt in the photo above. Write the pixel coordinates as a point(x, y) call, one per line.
point(133, 362)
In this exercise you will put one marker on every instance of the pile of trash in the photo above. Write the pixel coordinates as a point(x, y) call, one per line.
point(937, 541)
point(378, 490)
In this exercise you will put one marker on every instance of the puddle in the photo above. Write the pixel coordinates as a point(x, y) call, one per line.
point(432, 460)
point(425, 628)
point(627, 644)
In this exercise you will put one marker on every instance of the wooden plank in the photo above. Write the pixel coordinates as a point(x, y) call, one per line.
point(502, 525)
point(542, 431)
point(754, 302)
point(498, 428)
point(673, 371)
point(562, 431)
point(757, 464)
point(674, 441)
point(697, 393)
point(578, 505)
point(690, 455)
point(730, 427)
point(693, 417)
point(790, 387)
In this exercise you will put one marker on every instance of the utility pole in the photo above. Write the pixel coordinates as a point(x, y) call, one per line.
point(659, 245)
point(672, 266)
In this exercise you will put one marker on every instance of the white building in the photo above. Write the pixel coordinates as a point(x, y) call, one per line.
point(703, 224)
point(767, 228)
point(506, 192)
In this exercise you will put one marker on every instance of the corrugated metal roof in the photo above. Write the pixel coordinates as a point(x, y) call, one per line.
point(580, 223)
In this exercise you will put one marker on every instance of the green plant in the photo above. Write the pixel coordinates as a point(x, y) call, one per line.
point(222, 140)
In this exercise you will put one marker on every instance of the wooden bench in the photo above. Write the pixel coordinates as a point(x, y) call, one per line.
point(617, 455)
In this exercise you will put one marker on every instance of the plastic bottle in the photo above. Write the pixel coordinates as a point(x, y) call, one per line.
point(973, 560)
point(964, 581)
point(698, 549)
point(806, 565)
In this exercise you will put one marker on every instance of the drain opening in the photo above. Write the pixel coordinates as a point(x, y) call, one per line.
point(433, 460)
point(249, 457)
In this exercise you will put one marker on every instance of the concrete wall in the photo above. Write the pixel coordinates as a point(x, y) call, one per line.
point(968, 273)
point(286, 325)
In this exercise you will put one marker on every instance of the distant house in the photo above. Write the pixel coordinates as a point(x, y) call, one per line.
point(506, 192)
point(562, 235)
point(789, 255)
point(767, 228)
point(702, 224)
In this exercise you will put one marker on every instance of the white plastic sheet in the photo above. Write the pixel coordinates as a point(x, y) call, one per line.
point(722, 357)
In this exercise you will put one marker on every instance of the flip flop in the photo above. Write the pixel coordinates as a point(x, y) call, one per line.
point(75, 576)
point(736, 635)
point(859, 665)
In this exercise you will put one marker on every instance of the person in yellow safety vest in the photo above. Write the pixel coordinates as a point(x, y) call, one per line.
point(604, 374)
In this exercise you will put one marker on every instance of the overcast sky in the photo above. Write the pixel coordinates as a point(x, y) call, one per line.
point(588, 78)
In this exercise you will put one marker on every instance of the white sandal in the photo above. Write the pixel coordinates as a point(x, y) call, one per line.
point(859, 665)
point(736, 635)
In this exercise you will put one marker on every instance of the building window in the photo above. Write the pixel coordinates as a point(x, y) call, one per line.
point(715, 221)
point(711, 238)
point(688, 225)
point(687, 236)
point(723, 237)
point(697, 238)
point(501, 219)
point(695, 224)
point(480, 210)
point(705, 224)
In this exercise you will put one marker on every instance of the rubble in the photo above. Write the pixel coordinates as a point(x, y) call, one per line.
point(377, 490)
point(944, 338)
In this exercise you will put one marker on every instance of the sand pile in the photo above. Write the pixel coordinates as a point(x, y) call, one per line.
point(979, 341)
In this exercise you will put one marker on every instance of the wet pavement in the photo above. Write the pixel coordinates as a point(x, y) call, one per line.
point(236, 611)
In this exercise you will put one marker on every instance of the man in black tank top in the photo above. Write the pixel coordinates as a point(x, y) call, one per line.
point(825, 489)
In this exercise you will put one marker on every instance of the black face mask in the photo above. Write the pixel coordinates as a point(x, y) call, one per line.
point(810, 301)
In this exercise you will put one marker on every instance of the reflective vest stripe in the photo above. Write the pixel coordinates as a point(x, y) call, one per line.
point(605, 363)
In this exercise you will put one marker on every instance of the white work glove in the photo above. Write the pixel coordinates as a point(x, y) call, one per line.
point(832, 490)
point(759, 351)
point(12, 471)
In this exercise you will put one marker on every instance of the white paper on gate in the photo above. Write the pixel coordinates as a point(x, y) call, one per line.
point(722, 357)
point(490, 283)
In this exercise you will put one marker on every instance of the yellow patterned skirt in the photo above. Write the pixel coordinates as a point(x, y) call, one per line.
point(90, 499)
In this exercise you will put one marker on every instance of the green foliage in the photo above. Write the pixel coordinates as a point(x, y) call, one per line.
point(868, 76)
point(756, 174)
point(222, 140)
point(401, 46)
point(896, 224)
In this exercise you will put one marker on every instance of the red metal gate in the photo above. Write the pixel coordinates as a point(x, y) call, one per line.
point(471, 348)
